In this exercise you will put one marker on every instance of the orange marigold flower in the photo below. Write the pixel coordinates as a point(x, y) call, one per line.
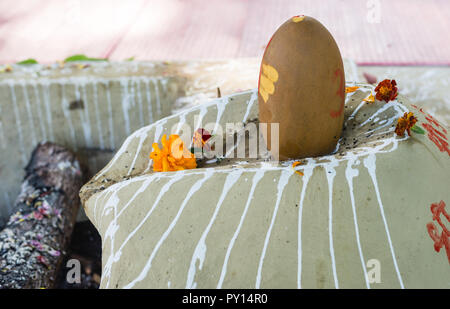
point(405, 123)
point(173, 156)
point(386, 90)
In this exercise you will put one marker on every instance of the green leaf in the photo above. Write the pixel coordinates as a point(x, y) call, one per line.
point(417, 129)
point(82, 58)
point(27, 61)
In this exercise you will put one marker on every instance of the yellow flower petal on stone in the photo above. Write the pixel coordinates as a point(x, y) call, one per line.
point(264, 94)
point(267, 84)
point(294, 165)
point(270, 72)
point(351, 89)
point(370, 99)
point(297, 19)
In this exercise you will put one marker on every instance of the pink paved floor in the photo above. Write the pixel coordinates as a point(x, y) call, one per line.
point(406, 32)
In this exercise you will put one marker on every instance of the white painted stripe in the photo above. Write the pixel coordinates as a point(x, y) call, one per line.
point(39, 109)
point(97, 116)
point(110, 117)
point(29, 113)
point(18, 123)
point(256, 178)
point(284, 177)
point(351, 173)
point(200, 250)
point(331, 173)
point(369, 163)
point(197, 185)
point(307, 173)
point(47, 102)
point(139, 101)
point(67, 115)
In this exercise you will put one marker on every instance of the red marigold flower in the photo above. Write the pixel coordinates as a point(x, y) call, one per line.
point(386, 90)
point(405, 123)
point(201, 137)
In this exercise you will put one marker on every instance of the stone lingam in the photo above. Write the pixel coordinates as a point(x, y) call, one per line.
point(361, 204)
point(371, 214)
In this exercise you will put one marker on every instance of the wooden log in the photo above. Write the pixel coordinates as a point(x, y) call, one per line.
point(36, 237)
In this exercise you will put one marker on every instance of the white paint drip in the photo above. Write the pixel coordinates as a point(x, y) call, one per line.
point(200, 249)
point(284, 177)
point(307, 173)
point(66, 113)
point(30, 114)
point(379, 111)
point(369, 163)
point(119, 153)
point(39, 110)
point(158, 133)
point(149, 101)
point(158, 101)
point(220, 109)
point(46, 94)
point(142, 136)
point(331, 173)
point(139, 101)
point(86, 114)
point(181, 122)
point(125, 105)
point(351, 173)
point(201, 115)
point(83, 119)
point(97, 116)
point(104, 192)
point(110, 120)
point(256, 178)
point(18, 123)
point(148, 265)
point(250, 103)
point(164, 189)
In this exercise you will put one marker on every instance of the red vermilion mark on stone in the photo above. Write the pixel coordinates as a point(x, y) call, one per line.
point(339, 74)
point(436, 132)
point(442, 240)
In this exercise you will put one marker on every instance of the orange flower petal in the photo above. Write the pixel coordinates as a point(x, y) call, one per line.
point(351, 89)
point(370, 99)
point(295, 164)
point(173, 157)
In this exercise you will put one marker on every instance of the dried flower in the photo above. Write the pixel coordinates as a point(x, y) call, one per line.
point(386, 90)
point(6, 68)
point(43, 260)
point(405, 123)
point(173, 156)
point(200, 139)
